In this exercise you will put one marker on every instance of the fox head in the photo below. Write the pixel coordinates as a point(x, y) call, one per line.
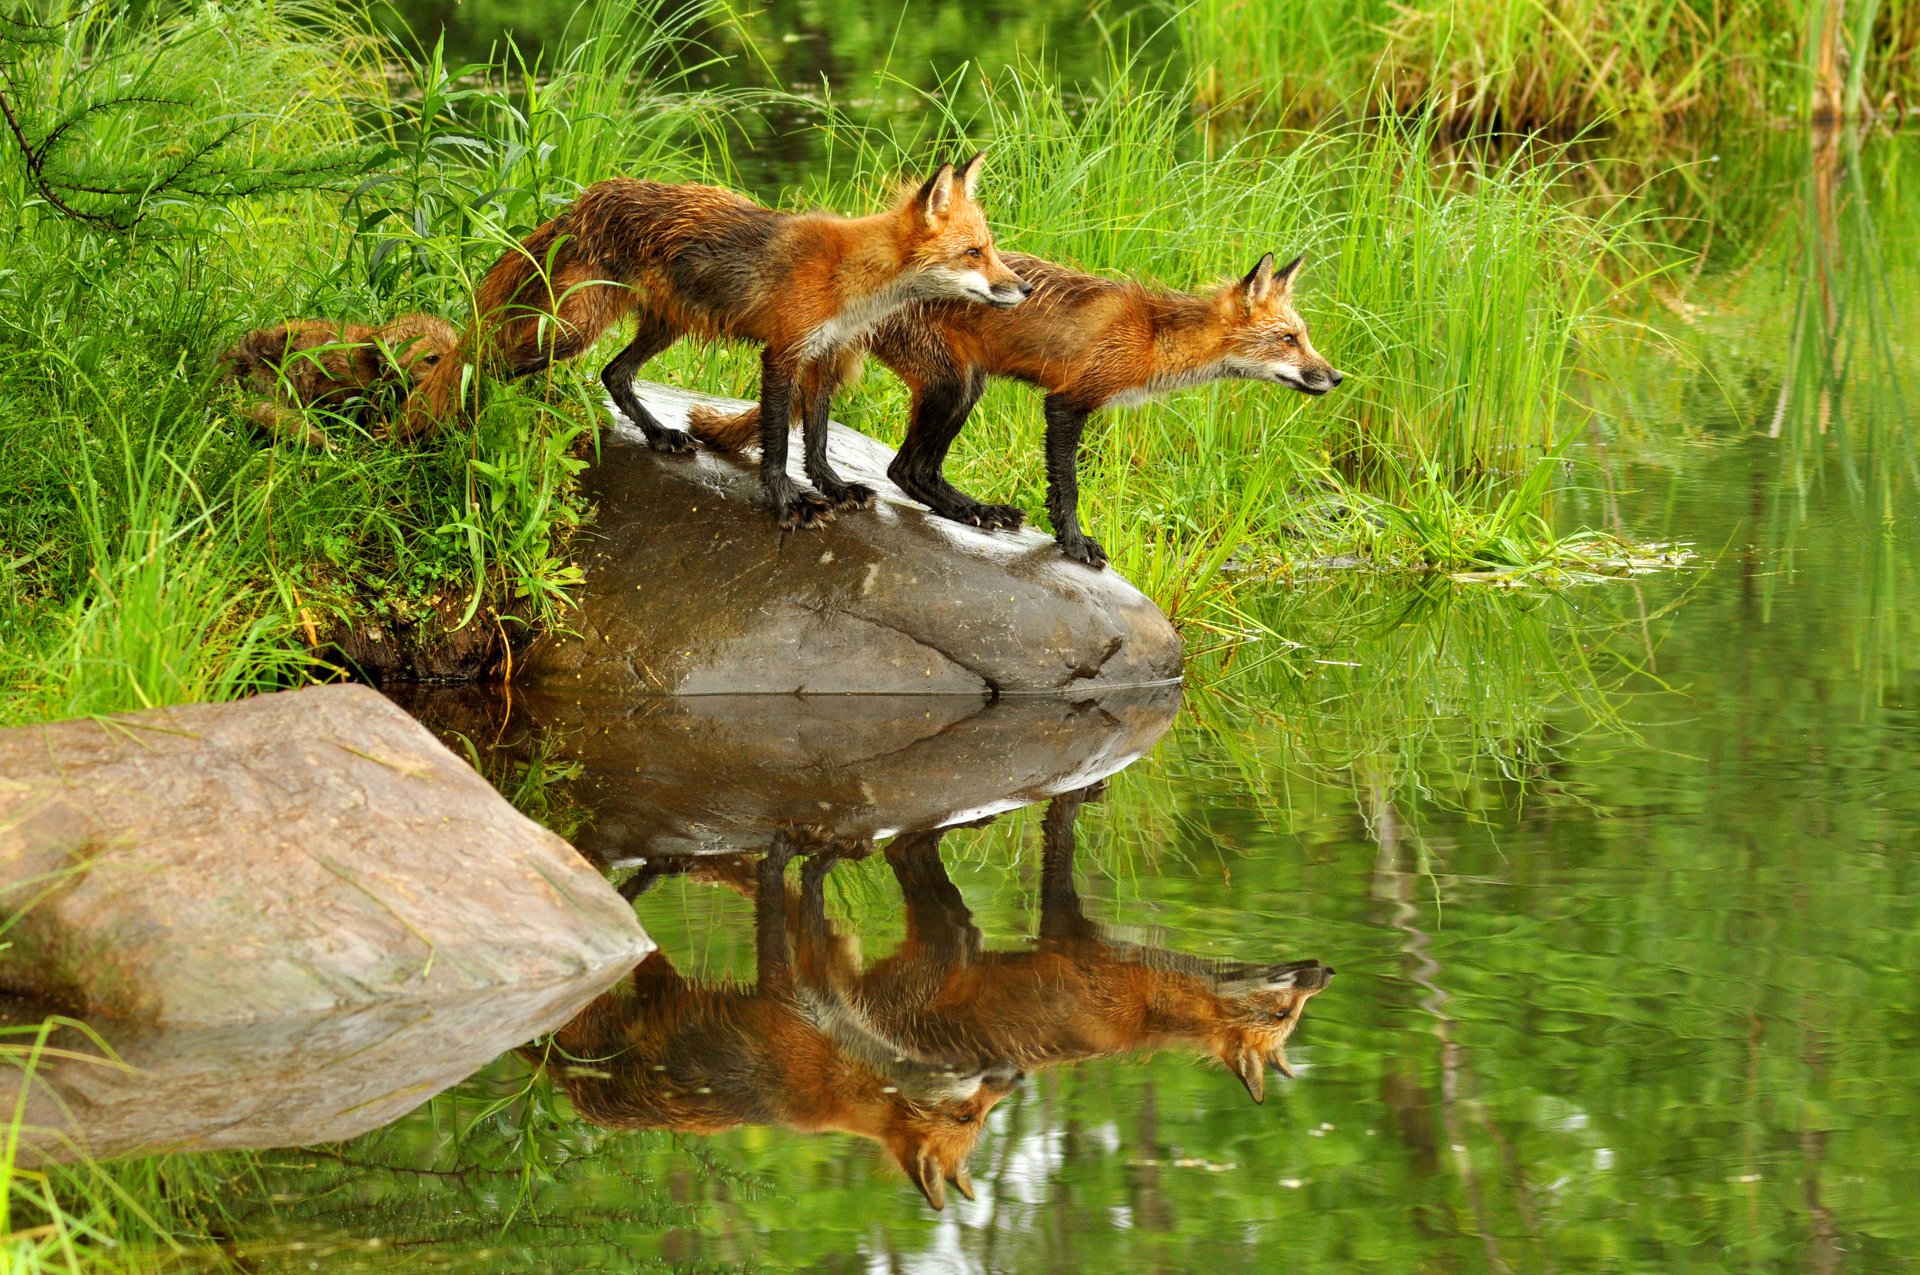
point(934, 1123)
point(1263, 1005)
point(1266, 337)
point(416, 343)
point(950, 246)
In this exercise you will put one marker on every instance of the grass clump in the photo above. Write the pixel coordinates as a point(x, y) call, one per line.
point(1524, 65)
point(155, 549)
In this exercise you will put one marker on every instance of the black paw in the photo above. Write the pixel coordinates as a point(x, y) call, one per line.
point(999, 517)
point(804, 510)
point(670, 440)
point(846, 495)
point(1081, 549)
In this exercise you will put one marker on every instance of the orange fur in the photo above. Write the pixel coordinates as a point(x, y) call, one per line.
point(1088, 343)
point(703, 261)
point(307, 364)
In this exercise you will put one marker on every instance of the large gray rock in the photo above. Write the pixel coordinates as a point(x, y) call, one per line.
point(277, 1082)
point(291, 854)
point(718, 773)
point(692, 589)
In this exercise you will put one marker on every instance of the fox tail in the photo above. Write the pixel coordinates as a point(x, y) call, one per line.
point(724, 431)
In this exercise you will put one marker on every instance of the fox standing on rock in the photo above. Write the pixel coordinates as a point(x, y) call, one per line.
point(1088, 342)
point(696, 259)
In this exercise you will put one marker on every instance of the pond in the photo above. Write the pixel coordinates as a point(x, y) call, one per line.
point(1584, 920)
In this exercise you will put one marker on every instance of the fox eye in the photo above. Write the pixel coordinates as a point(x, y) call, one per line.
point(1289, 339)
point(975, 252)
point(1280, 1015)
point(965, 1117)
point(431, 359)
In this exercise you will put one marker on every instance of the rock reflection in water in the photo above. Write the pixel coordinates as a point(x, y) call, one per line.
point(913, 1050)
point(714, 773)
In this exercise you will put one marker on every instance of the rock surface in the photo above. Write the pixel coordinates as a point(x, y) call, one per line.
point(692, 589)
point(298, 853)
point(717, 773)
point(278, 1082)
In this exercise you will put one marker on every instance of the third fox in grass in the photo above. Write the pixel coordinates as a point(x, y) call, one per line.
point(317, 364)
point(696, 259)
point(1088, 343)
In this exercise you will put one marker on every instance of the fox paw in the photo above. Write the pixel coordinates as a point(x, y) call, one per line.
point(1082, 549)
point(847, 495)
point(670, 440)
point(804, 510)
point(997, 517)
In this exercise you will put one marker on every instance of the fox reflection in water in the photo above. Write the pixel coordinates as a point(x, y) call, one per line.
point(662, 1052)
point(914, 1050)
point(1079, 993)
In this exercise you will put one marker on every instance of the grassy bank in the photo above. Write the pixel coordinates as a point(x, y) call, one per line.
point(1522, 65)
point(186, 174)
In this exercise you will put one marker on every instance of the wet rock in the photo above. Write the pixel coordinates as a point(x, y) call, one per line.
point(693, 589)
point(274, 1082)
point(292, 854)
point(721, 772)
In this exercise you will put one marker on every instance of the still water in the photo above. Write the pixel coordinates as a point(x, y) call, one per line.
point(1621, 884)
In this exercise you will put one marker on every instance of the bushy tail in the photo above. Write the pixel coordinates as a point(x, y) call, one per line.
point(728, 432)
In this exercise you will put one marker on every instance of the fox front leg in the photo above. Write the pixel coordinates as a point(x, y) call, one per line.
point(940, 411)
point(1065, 423)
point(793, 506)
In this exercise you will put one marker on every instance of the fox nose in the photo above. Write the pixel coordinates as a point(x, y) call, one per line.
point(1026, 289)
point(1335, 377)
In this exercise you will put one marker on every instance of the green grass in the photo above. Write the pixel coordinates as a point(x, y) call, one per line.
point(1524, 65)
point(157, 552)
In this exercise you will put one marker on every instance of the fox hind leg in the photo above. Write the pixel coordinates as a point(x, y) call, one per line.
point(817, 387)
point(651, 335)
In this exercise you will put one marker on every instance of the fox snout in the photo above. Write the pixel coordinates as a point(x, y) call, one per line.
point(1317, 382)
point(1009, 292)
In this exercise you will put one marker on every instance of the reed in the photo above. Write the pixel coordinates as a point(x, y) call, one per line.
point(1565, 65)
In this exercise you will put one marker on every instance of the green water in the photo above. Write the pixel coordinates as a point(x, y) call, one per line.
point(1620, 883)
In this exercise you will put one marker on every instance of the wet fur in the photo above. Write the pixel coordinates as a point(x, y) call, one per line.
point(696, 260)
point(308, 364)
point(1087, 343)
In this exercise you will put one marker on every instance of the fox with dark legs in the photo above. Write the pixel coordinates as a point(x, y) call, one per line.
point(696, 259)
point(665, 1052)
point(316, 364)
point(1080, 993)
point(1088, 343)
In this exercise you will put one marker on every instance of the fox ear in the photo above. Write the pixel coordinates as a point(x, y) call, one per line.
point(936, 197)
point(1284, 275)
point(1278, 1057)
point(923, 1171)
point(969, 173)
point(1250, 1067)
point(1258, 285)
point(962, 1181)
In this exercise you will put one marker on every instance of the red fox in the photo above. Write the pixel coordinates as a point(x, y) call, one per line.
point(668, 1053)
point(306, 364)
point(1088, 343)
point(697, 259)
point(1079, 994)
